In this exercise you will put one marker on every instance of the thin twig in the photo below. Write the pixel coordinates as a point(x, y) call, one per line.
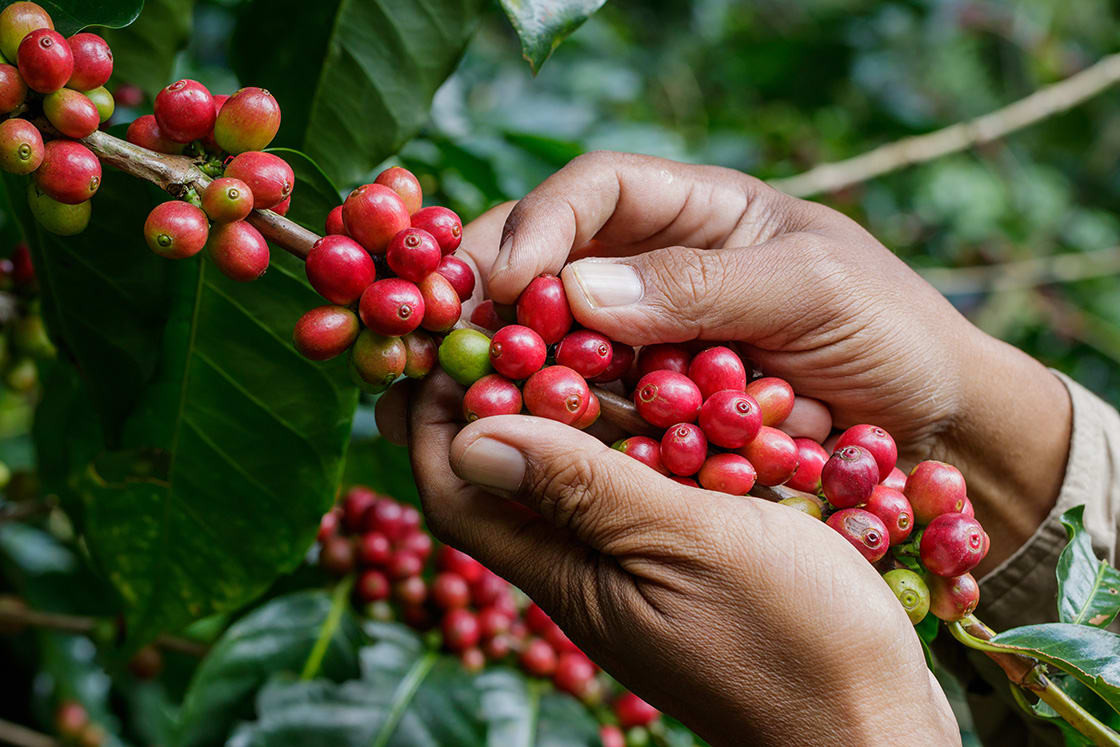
point(17, 616)
point(1025, 273)
point(20, 736)
point(1041, 104)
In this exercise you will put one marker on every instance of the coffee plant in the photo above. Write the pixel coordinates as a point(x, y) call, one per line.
point(197, 554)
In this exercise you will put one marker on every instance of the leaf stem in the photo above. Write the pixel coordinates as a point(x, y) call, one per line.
point(339, 601)
point(403, 695)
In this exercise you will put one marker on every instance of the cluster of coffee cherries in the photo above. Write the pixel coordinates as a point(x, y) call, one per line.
point(44, 74)
point(385, 265)
point(479, 616)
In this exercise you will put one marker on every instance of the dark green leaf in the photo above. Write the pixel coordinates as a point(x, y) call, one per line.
point(543, 24)
point(383, 466)
point(144, 53)
point(314, 195)
point(71, 16)
point(1088, 588)
point(927, 631)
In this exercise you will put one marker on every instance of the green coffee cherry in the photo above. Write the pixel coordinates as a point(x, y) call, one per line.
point(911, 591)
point(56, 217)
point(465, 355)
point(104, 102)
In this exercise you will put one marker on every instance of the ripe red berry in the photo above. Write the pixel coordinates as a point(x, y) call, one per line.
point(484, 316)
point(386, 516)
point(227, 199)
point(93, 61)
point(875, 440)
point(489, 589)
point(848, 476)
point(13, 91)
point(952, 544)
point(69, 173)
point(325, 332)
point(460, 630)
point(269, 176)
point(684, 449)
point(538, 658)
point(337, 555)
point(392, 307)
point(416, 543)
point(686, 481)
point(145, 132)
point(248, 120)
point(586, 352)
point(335, 226)
point(730, 418)
point(71, 113)
point(442, 223)
point(537, 619)
point(405, 184)
point(420, 354)
point(716, 369)
point(611, 736)
point(774, 396)
point(21, 146)
point(773, 454)
point(666, 397)
point(632, 711)
point(473, 660)
point(17, 21)
point(238, 250)
point(543, 307)
point(896, 479)
point(864, 530)
point(809, 418)
point(644, 449)
point(45, 61)
point(328, 525)
point(404, 565)
point(339, 269)
point(374, 550)
point(372, 586)
point(493, 621)
point(373, 214)
point(666, 356)
point(409, 590)
point(450, 591)
point(951, 599)
point(282, 208)
point(176, 229)
point(456, 561)
point(355, 505)
point(622, 359)
point(517, 352)
point(967, 508)
point(891, 506)
point(413, 254)
point(811, 458)
point(185, 111)
point(574, 674)
point(442, 306)
point(71, 716)
point(935, 488)
point(377, 360)
point(590, 415)
point(491, 395)
point(410, 519)
point(557, 393)
point(728, 473)
point(459, 274)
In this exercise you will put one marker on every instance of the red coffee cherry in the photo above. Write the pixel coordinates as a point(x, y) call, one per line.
point(460, 630)
point(967, 508)
point(493, 621)
point(686, 481)
point(45, 61)
point(590, 415)
point(575, 674)
point(538, 658)
point(405, 565)
point(376, 359)
point(335, 226)
point(411, 520)
point(849, 476)
point(622, 359)
point(339, 269)
point(17, 21)
point(71, 113)
point(773, 454)
point(325, 332)
point(185, 111)
point(611, 736)
point(875, 440)
point(387, 516)
point(952, 544)
point(489, 590)
point(409, 589)
point(374, 550)
point(896, 479)
point(372, 586)
point(227, 199)
point(774, 396)
point(416, 543)
point(934, 488)
point(269, 177)
point(208, 142)
point(441, 303)
point(93, 61)
point(484, 316)
point(728, 473)
point(328, 525)
point(21, 146)
point(450, 591)
point(543, 307)
point(952, 599)
point(413, 254)
point(730, 418)
point(355, 505)
point(586, 352)
point(373, 215)
point(491, 395)
point(247, 120)
point(811, 458)
point(459, 274)
point(71, 716)
point(666, 397)
point(517, 352)
point(442, 223)
point(644, 449)
point(238, 250)
point(632, 711)
point(13, 91)
point(69, 173)
point(716, 369)
point(145, 132)
point(176, 230)
point(891, 506)
point(405, 184)
point(666, 356)
point(337, 555)
point(557, 393)
point(457, 561)
point(684, 449)
point(421, 354)
point(864, 530)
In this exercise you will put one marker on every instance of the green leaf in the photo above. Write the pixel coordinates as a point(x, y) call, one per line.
point(144, 53)
point(314, 195)
point(277, 637)
point(1088, 588)
point(383, 466)
point(71, 16)
point(543, 24)
point(927, 631)
point(521, 711)
point(355, 78)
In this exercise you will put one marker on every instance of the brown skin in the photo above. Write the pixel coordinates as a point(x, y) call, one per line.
point(722, 588)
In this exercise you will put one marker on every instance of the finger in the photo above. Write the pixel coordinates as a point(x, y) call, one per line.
point(479, 247)
point(391, 412)
point(634, 201)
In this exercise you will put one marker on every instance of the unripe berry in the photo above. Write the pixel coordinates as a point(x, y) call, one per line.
point(811, 458)
point(227, 199)
point(911, 592)
point(891, 506)
point(392, 307)
point(465, 355)
point(441, 303)
point(622, 359)
point(849, 476)
point(69, 173)
point(13, 91)
point(543, 307)
point(716, 369)
point(590, 415)
point(413, 254)
point(335, 226)
point(21, 146)
point(684, 449)
point(459, 274)
point(145, 132)
point(773, 454)
point(405, 184)
point(952, 599)
point(372, 586)
point(952, 544)
point(809, 418)
point(421, 354)
point(339, 269)
point(450, 591)
point(807, 504)
point(185, 111)
point(586, 352)
point(934, 488)
point(460, 630)
point(877, 441)
point(774, 396)
point(442, 223)
point(632, 711)
point(325, 332)
point(491, 395)
point(864, 530)
point(574, 674)
point(644, 449)
point(45, 61)
point(104, 102)
point(373, 215)
point(517, 352)
point(269, 177)
point(238, 250)
point(57, 217)
point(457, 561)
point(176, 230)
point(896, 479)
point(93, 61)
point(377, 360)
point(668, 356)
point(538, 658)
point(557, 393)
point(728, 473)
point(666, 397)
point(337, 555)
point(374, 550)
point(71, 113)
point(17, 21)
point(248, 120)
point(730, 418)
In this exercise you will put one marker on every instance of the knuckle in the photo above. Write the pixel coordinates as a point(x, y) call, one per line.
point(690, 282)
point(565, 488)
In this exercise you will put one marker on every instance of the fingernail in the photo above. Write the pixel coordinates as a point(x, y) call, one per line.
point(492, 464)
point(607, 283)
point(504, 250)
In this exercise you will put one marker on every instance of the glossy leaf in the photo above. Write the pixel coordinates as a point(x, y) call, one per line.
point(383, 466)
point(543, 24)
point(1088, 588)
point(144, 53)
point(71, 16)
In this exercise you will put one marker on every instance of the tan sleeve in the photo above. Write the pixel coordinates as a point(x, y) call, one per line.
point(1023, 589)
